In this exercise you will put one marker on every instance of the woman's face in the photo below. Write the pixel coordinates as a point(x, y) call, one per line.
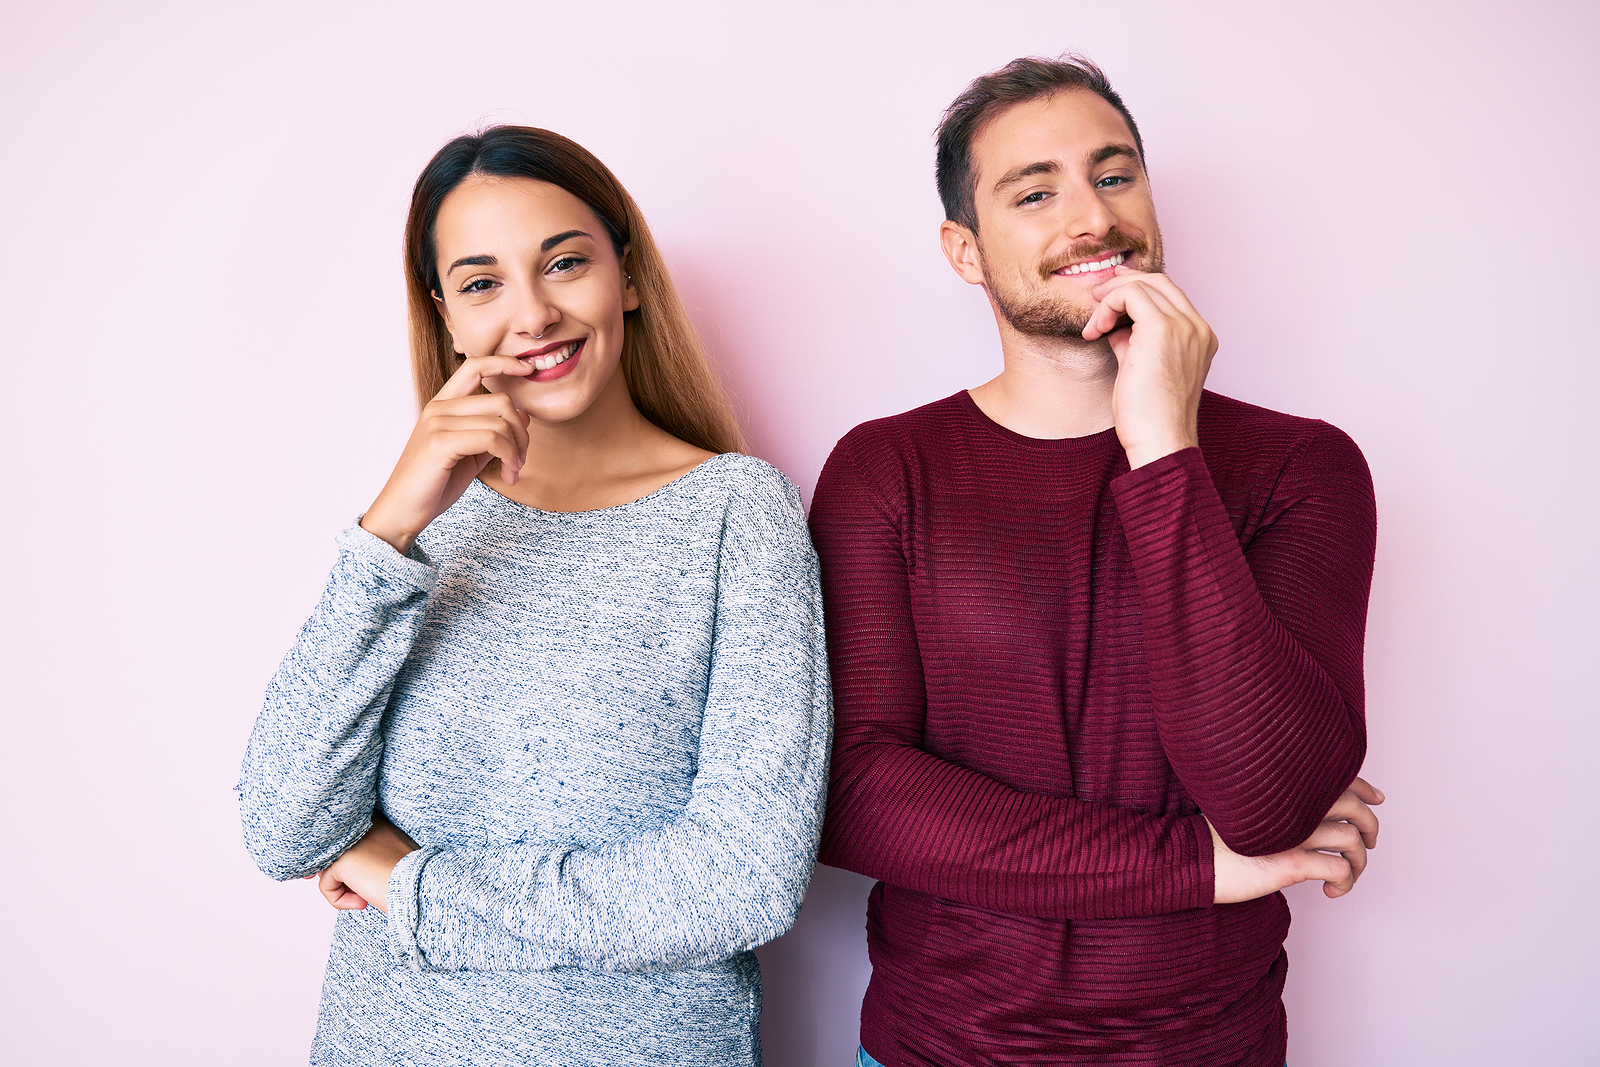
point(527, 270)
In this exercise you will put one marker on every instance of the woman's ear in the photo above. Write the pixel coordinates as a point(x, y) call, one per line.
point(630, 295)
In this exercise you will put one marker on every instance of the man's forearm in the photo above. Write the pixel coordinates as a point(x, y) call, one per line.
point(1255, 661)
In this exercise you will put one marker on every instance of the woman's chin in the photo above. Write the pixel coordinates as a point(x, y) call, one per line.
point(555, 410)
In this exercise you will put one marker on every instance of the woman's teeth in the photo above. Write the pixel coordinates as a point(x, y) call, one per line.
point(556, 358)
point(1104, 264)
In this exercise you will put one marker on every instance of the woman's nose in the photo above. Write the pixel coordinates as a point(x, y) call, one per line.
point(534, 315)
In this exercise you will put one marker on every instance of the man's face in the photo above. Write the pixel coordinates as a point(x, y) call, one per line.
point(1061, 200)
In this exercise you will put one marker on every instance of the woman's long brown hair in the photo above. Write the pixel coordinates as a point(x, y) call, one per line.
point(668, 375)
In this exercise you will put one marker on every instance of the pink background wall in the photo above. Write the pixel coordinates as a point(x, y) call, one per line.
point(1386, 209)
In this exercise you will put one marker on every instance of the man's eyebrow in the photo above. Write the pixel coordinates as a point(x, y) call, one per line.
point(1027, 170)
point(551, 242)
point(1112, 151)
point(472, 261)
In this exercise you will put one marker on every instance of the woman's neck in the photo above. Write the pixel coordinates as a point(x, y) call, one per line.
point(609, 455)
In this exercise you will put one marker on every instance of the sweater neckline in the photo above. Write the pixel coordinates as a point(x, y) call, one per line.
point(1096, 440)
point(681, 481)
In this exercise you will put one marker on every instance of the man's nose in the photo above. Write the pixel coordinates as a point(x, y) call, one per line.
point(1087, 214)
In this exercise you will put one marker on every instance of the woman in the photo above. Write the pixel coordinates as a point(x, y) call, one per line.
point(556, 735)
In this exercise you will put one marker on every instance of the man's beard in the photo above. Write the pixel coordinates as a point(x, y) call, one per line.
point(1040, 312)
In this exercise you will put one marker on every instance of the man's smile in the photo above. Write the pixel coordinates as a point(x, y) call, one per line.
point(1091, 266)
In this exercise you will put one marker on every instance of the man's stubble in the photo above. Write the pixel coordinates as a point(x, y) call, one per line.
point(1034, 309)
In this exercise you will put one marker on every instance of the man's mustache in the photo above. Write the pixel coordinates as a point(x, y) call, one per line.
point(1092, 250)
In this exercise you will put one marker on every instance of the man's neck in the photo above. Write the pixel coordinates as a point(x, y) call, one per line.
point(1051, 387)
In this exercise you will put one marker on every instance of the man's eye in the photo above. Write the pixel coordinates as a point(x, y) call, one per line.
point(1109, 181)
point(1032, 198)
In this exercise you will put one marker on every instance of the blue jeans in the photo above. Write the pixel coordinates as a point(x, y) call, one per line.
point(865, 1060)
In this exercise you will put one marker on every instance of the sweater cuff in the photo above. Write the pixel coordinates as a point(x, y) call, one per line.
point(1206, 868)
point(405, 906)
point(1174, 464)
point(377, 559)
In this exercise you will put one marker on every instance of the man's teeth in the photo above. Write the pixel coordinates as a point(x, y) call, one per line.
point(556, 358)
point(1104, 264)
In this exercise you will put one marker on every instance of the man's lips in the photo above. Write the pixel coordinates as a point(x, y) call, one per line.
point(1103, 263)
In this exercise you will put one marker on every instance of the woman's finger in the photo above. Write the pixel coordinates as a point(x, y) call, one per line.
point(499, 417)
point(474, 369)
point(456, 437)
point(460, 444)
point(336, 893)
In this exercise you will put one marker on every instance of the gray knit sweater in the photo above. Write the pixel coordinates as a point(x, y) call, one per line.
point(609, 732)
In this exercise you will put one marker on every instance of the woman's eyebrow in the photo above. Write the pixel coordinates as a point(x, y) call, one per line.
point(489, 261)
point(472, 261)
point(551, 242)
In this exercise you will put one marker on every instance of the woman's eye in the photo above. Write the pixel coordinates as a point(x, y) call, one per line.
point(567, 264)
point(477, 285)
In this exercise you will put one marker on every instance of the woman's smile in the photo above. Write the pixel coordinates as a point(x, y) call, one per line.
point(553, 361)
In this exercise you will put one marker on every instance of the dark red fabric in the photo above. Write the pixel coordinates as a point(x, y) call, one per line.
point(1044, 667)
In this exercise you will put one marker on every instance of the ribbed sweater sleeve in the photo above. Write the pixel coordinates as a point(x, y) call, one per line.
point(308, 785)
point(1255, 652)
point(727, 873)
point(910, 818)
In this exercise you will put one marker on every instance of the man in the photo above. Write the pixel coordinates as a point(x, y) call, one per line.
point(1096, 638)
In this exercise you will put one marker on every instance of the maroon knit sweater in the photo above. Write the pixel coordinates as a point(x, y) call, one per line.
point(1044, 667)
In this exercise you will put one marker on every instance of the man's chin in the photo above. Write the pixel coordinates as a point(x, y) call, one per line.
point(1049, 321)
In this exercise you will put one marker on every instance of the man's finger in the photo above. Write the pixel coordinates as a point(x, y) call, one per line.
point(1160, 283)
point(1332, 836)
point(1343, 838)
point(1133, 300)
point(1352, 809)
point(1333, 871)
point(1368, 792)
point(1364, 819)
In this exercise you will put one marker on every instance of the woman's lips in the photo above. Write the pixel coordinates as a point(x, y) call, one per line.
point(566, 352)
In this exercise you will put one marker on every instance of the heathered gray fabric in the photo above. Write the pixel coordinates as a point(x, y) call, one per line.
point(609, 732)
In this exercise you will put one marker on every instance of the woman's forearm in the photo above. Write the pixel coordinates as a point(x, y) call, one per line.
point(308, 784)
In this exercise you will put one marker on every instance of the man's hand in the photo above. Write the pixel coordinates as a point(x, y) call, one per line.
point(1162, 361)
point(1336, 853)
point(361, 876)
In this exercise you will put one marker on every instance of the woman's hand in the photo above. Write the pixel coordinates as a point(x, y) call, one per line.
point(1336, 853)
point(456, 436)
point(361, 876)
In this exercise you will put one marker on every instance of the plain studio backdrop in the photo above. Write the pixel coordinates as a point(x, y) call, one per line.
point(1387, 210)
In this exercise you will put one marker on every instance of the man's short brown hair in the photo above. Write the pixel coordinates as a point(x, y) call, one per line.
point(1021, 80)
